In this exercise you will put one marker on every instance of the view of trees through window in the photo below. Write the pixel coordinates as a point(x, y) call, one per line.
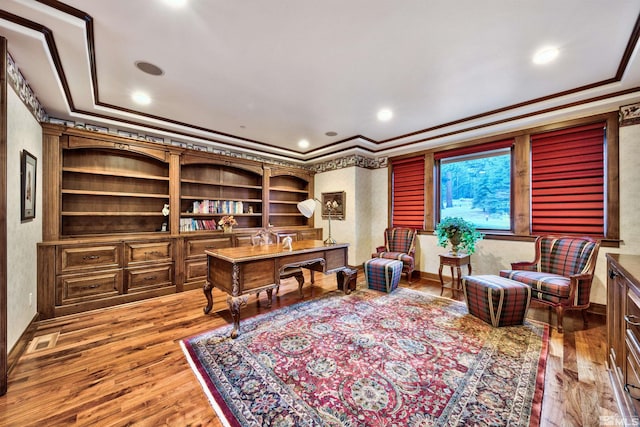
point(478, 189)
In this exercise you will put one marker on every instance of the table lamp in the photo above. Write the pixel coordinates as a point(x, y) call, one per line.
point(307, 207)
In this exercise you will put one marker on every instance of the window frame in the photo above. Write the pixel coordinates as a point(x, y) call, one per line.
point(521, 179)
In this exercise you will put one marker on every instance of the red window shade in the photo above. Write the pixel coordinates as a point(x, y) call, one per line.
point(407, 208)
point(567, 181)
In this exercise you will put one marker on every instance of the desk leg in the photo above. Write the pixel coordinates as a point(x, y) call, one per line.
point(234, 307)
point(207, 293)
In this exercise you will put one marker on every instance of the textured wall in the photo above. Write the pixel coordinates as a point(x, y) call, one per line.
point(23, 132)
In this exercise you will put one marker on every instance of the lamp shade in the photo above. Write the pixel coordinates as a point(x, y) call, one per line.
point(307, 207)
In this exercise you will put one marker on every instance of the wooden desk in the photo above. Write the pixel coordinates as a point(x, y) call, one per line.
point(245, 270)
point(452, 261)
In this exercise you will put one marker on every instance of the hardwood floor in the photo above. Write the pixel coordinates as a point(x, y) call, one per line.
point(124, 365)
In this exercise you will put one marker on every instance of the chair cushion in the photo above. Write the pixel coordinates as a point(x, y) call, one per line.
point(564, 256)
point(400, 239)
point(545, 286)
point(405, 258)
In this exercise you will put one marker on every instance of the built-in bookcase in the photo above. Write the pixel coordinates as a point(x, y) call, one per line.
point(286, 189)
point(112, 191)
point(212, 189)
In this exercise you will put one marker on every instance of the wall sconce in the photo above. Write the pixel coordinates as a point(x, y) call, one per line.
point(307, 207)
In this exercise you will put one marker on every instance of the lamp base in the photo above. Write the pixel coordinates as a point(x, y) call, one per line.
point(330, 241)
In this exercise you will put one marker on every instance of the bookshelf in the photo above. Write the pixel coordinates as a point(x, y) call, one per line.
point(287, 187)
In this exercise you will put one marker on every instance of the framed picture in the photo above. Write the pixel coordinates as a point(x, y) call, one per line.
point(28, 186)
point(335, 203)
point(629, 114)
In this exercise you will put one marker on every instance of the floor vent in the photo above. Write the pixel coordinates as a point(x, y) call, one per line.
point(43, 342)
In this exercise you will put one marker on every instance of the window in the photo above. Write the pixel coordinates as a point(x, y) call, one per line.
point(568, 181)
point(407, 192)
point(475, 183)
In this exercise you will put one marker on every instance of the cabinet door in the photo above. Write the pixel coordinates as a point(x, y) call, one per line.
point(141, 279)
point(75, 288)
point(632, 345)
point(142, 253)
point(74, 258)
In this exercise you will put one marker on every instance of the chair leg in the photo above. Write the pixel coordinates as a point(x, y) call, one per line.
point(585, 319)
point(559, 314)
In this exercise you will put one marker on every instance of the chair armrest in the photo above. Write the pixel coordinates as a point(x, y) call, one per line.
point(381, 249)
point(522, 265)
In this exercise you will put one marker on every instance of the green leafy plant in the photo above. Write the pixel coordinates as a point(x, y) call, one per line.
point(460, 234)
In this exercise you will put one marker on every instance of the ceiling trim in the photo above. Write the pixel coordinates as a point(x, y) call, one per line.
point(382, 144)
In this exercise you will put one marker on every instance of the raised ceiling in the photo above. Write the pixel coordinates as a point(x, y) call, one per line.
point(261, 75)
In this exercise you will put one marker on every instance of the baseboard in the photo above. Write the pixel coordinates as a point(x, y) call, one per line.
point(598, 309)
point(23, 342)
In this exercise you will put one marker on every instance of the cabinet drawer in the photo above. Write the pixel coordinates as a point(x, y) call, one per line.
point(88, 257)
point(195, 271)
point(82, 287)
point(139, 279)
point(310, 234)
point(196, 247)
point(140, 253)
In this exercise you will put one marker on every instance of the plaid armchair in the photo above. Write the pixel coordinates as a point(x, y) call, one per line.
point(400, 244)
point(561, 273)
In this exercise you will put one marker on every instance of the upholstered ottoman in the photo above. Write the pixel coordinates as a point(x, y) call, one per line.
point(382, 274)
point(496, 300)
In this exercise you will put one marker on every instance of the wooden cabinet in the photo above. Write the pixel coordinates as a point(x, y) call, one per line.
point(623, 331)
point(107, 238)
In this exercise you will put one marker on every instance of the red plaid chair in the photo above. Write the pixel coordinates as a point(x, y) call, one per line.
point(399, 244)
point(561, 273)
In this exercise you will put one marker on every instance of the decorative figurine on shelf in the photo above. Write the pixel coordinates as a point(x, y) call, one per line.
point(286, 243)
point(165, 210)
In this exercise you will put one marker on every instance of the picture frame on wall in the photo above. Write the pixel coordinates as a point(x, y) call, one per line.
point(629, 114)
point(28, 170)
point(334, 201)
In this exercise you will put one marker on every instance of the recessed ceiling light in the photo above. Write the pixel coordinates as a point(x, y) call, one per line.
point(141, 98)
point(545, 55)
point(176, 3)
point(331, 133)
point(385, 115)
point(303, 143)
point(149, 68)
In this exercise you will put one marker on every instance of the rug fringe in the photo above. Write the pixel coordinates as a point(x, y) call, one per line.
point(194, 368)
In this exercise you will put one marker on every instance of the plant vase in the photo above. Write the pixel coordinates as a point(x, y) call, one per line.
point(454, 240)
point(227, 229)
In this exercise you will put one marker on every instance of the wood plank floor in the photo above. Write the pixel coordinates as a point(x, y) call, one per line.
point(123, 366)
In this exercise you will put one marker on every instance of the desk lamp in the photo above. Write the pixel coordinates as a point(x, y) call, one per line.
point(307, 207)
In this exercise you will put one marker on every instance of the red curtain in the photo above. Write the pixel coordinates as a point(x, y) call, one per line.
point(567, 181)
point(407, 208)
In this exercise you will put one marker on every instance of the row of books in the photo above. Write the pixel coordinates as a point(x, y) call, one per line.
point(192, 224)
point(218, 206)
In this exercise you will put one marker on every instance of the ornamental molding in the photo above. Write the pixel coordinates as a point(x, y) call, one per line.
point(23, 90)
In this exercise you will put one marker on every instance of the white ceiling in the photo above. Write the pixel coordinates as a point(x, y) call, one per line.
point(261, 75)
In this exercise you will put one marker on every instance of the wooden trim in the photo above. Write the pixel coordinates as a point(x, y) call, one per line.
point(21, 345)
point(521, 190)
point(3, 216)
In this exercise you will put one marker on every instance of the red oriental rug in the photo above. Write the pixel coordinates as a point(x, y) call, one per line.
point(370, 359)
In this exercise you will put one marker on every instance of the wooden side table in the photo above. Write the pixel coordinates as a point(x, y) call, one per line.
point(452, 261)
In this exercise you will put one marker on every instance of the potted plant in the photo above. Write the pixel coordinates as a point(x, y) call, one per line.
point(460, 234)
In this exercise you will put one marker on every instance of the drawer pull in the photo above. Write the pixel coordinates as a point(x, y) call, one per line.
point(631, 319)
point(150, 278)
point(90, 287)
point(627, 386)
point(90, 257)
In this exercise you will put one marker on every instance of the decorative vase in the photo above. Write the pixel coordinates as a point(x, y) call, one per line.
point(227, 228)
point(455, 242)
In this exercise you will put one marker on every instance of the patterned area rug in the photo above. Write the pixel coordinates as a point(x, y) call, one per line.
point(371, 359)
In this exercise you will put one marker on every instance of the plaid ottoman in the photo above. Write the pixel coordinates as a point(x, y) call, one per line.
point(496, 300)
point(382, 274)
